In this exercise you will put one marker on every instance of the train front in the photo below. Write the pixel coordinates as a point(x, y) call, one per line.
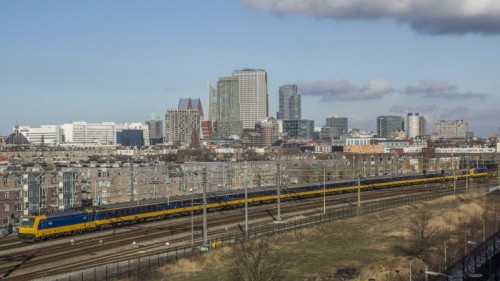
point(27, 229)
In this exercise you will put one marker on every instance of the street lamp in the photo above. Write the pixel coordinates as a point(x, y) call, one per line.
point(410, 259)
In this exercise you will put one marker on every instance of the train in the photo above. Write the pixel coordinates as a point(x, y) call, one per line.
point(44, 226)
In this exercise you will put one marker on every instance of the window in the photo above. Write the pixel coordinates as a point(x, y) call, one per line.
point(5, 180)
point(6, 207)
point(6, 195)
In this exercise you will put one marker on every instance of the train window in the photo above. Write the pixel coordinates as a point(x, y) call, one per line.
point(27, 222)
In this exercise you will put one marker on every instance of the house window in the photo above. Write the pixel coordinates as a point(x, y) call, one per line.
point(6, 195)
point(6, 207)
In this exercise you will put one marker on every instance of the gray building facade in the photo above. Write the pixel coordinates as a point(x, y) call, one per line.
point(299, 129)
point(228, 107)
point(289, 103)
point(386, 125)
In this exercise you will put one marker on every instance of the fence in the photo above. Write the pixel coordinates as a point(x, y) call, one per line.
point(135, 267)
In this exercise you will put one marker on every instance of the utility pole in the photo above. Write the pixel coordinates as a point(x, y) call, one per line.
point(359, 193)
point(204, 179)
point(278, 195)
point(324, 188)
point(132, 182)
point(167, 183)
point(246, 200)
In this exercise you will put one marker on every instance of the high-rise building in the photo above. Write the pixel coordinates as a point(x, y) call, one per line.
point(335, 127)
point(253, 98)
point(268, 130)
point(183, 124)
point(413, 121)
point(213, 105)
point(289, 103)
point(422, 126)
point(228, 107)
point(386, 125)
point(155, 126)
point(450, 129)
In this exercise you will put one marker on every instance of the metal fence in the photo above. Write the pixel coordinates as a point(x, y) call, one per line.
point(134, 268)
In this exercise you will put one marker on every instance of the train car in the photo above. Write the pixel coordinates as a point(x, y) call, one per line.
point(478, 172)
point(34, 228)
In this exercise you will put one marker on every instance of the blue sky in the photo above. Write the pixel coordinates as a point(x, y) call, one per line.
point(96, 61)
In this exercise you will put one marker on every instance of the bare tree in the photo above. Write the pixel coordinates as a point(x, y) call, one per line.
point(423, 234)
point(255, 260)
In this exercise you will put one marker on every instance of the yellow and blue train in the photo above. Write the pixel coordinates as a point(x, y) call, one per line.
point(41, 227)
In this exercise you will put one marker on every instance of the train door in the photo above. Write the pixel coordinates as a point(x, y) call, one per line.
point(42, 226)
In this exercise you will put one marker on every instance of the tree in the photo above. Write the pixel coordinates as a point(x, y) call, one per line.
point(422, 233)
point(255, 260)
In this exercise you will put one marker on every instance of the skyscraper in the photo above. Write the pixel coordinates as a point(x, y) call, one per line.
point(386, 125)
point(254, 103)
point(183, 124)
point(413, 121)
point(228, 107)
point(213, 106)
point(289, 103)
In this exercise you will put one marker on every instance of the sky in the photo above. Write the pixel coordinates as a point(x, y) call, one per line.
point(120, 60)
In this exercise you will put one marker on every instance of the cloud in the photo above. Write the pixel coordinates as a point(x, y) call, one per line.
point(438, 89)
point(424, 16)
point(343, 90)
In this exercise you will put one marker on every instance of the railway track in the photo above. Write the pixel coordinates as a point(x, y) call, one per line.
point(38, 260)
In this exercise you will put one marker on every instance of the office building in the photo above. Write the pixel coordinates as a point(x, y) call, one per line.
point(299, 129)
point(155, 127)
point(335, 127)
point(289, 103)
point(253, 97)
point(387, 125)
point(228, 104)
point(422, 126)
point(213, 103)
point(450, 129)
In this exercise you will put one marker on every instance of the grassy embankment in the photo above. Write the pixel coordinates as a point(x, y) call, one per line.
point(375, 245)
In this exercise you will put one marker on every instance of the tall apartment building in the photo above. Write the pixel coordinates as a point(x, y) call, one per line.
point(450, 129)
point(386, 125)
point(253, 97)
point(413, 121)
point(268, 130)
point(289, 103)
point(183, 124)
point(228, 107)
point(155, 127)
point(335, 127)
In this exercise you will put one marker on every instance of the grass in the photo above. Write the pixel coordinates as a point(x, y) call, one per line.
point(367, 243)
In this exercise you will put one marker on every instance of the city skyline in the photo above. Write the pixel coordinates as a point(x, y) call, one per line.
point(63, 62)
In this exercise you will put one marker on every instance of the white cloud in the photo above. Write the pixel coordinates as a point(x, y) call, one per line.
point(424, 16)
point(343, 90)
point(437, 89)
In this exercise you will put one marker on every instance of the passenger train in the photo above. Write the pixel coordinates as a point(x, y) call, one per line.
point(41, 227)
